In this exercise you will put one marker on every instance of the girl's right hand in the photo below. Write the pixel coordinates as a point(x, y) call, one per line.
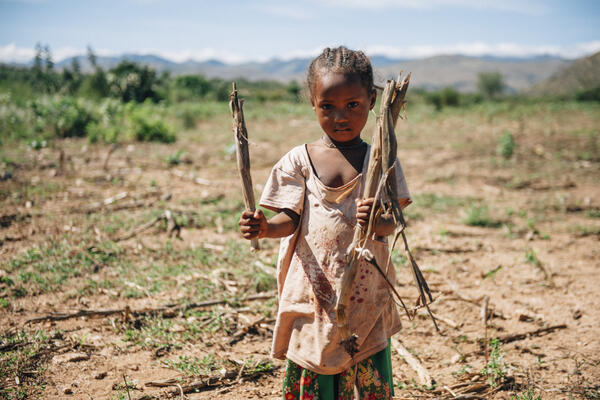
point(253, 224)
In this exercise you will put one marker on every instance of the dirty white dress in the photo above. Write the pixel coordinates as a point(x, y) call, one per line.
point(310, 267)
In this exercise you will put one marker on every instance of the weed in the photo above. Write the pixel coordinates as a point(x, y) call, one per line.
point(531, 258)
point(479, 215)
point(398, 258)
point(492, 274)
point(528, 395)
point(463, 370)
point(437, 203)
point(496, 369)
point(194, 366)
point(506, 145)
point(174, 158)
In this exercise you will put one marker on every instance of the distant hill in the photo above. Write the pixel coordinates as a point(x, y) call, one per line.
point(581, 74)
point(435, 72)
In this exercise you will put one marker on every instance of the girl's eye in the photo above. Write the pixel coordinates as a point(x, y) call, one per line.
point(353, 104)
point(326, 107)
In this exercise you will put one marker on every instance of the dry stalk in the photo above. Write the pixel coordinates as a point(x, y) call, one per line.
point(381, 176)
point(243, 156)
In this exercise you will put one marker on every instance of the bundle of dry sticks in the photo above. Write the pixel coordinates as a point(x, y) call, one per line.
point(381, 180)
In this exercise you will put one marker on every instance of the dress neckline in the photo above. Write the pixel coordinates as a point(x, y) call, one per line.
point(348, 184)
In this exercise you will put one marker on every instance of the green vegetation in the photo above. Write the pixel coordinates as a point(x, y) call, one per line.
point(528, 395)
point(506, 145)
point(479, 215)
point(490, 84)
point(496, 369)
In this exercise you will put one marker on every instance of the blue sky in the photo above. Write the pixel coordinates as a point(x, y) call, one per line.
point(238, 31)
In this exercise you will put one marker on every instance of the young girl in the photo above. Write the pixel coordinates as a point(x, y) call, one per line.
point(315, 189)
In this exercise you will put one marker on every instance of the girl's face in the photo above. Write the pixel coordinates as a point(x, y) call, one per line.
point(342, 104)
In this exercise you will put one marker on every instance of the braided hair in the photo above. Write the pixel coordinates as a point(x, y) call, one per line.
point(344, 60)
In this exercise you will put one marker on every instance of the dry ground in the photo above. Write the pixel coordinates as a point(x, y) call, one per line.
point(523, 231)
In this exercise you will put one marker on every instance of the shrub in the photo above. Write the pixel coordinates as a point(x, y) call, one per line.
point(478, 215)
point(490, 84)
point(506, 145)
point(145, 126)
point(592, 94)
point(61, 116)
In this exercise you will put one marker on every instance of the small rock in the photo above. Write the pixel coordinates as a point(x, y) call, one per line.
point(67, 390)
point(577, 314)
point(100, 375)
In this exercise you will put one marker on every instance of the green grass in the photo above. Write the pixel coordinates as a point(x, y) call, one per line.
point(528, 395)
point(495, 370)
point(25, 356)
point(479, 215)
point(438, 203)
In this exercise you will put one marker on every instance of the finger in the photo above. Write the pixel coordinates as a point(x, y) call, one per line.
point(247, 214)
point(368, 201)
point(250, 235)
point(249, 222)
point(258, 214)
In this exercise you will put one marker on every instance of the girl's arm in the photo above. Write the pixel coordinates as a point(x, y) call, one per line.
point(384, 225)
point(255, 224)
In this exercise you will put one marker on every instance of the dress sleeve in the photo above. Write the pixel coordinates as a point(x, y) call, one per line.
point(286, 185)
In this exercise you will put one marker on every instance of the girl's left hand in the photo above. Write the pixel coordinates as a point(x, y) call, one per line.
point(363, 210)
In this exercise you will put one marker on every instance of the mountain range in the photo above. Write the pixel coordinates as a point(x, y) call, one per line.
point(435, 72)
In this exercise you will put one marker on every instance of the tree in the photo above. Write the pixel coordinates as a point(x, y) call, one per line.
point(490, 84)
point(133, 82)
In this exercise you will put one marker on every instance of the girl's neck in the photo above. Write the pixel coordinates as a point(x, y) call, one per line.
point(351, 144)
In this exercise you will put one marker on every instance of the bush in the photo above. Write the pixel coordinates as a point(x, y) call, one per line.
point(506, 145)
point(61, 116)
point(445, 97)
point(146, 126)
point(490, 84)
point(588, 94)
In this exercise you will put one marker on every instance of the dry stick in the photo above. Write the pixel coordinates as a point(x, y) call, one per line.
point(140, 229)
point(126, 387)
point(170, 307)
point(484, 318)
point(424, 376)
point(243, 156)
point(521, 336)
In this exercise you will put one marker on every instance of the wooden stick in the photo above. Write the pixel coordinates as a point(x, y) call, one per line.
point(169, 307)
point(484, 318)
point(424, 376)
point(521, 336)
point(243, 156)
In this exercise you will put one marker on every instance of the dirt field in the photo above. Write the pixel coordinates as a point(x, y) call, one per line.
point(141, 226)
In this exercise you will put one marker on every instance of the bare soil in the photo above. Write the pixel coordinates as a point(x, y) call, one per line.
point(523, 231)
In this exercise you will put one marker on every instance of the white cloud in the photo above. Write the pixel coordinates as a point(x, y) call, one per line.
point(482, 48)
point(12, 53)
point(524, 7)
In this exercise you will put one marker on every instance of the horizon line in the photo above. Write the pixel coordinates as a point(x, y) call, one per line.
point(23, 55)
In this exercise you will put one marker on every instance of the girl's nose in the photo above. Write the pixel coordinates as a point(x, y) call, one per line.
point(339, 116)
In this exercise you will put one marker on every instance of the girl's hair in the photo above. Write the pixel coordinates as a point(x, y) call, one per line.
point(341, 59)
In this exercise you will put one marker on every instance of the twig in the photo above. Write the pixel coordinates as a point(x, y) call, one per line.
point(424, 376)
point(126, 387)
point(140, 229)
point(484, 318)
point(243, 156)
point(170, 307)
point(112, 149)
point(537, 332)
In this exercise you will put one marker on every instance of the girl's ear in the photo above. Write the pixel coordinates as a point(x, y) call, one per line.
point(373, 99)
point(312, 103)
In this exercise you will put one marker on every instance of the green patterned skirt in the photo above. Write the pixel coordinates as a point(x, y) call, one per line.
point(372, 377)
